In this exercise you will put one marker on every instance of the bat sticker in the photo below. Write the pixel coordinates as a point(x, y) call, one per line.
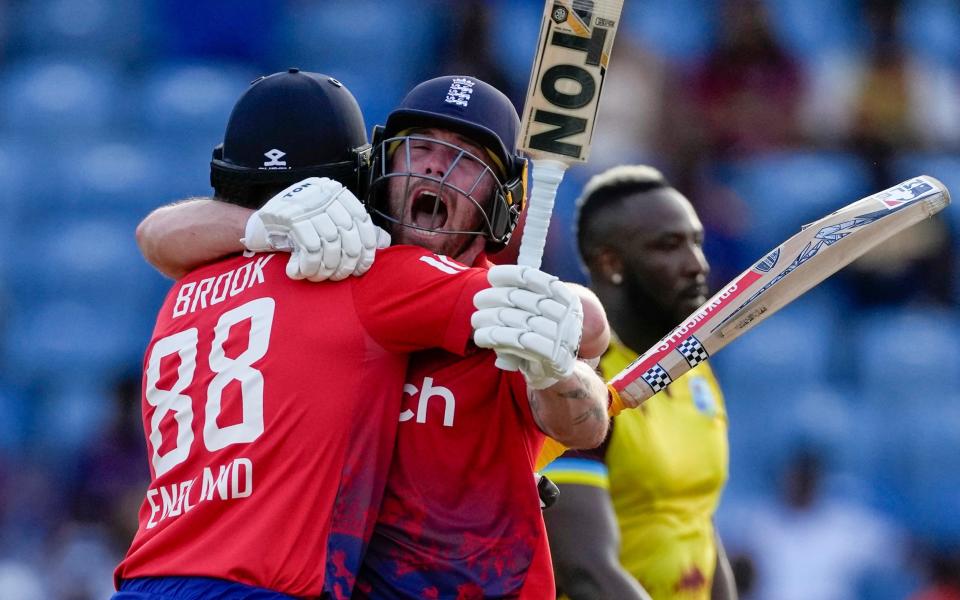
point(693, 351)
point(769, 261)
point(657, 378)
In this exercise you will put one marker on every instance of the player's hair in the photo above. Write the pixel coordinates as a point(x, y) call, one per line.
point(606, 191)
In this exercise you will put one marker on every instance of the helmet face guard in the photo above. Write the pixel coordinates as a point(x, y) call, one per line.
point(392, 165)
point(480, 113)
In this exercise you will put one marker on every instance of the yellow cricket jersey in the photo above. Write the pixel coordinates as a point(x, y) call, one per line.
point(665, 465)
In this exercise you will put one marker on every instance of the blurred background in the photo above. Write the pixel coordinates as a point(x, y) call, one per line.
point(844, 409)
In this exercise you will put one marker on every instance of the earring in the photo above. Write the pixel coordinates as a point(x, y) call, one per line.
point(616, 279)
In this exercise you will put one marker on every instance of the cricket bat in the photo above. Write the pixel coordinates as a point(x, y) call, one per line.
point(560, 111)
point(818, 251)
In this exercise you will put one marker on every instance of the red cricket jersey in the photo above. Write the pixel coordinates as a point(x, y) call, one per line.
point(461, 514)
point(270, 409)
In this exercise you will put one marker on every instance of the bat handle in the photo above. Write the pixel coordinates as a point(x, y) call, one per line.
point(547, 175)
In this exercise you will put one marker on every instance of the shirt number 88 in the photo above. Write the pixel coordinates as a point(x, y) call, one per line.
point(260, 312)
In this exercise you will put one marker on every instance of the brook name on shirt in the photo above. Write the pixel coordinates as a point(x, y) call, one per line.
point(211, 291)
point(220, 482)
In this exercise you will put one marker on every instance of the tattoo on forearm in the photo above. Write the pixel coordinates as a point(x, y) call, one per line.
point(582, 392)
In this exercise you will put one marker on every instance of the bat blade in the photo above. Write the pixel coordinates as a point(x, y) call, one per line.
point(563, 96)
point(560, 111)
point(818, 251)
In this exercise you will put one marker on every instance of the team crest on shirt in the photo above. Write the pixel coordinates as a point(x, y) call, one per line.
point(703, 397)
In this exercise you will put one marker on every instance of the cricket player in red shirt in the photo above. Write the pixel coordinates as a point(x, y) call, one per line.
point(270, 405)
point(461, 516)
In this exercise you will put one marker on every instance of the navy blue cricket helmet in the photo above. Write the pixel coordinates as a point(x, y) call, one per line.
point(476, 110)
point(286, 127)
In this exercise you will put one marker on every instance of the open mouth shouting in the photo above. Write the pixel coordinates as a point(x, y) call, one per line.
point(428, 211)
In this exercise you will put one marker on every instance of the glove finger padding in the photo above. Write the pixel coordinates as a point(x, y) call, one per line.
point(340, 216)
point(293, 265)
point(516, 276)
point(307, 236)
point(351, 252)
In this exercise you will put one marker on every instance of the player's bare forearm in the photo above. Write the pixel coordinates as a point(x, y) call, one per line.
point(177, 238)
point(596, 328)
point(573, 411)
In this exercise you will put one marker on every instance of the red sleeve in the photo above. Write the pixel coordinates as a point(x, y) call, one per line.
point(413, 300)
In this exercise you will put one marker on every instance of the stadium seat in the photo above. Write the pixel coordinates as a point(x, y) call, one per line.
point(95, 259)
point(514, 45)
point(901, 353)
point(683, 31)
point(61, 98)
point(786, 190)
point(98, 29)
point(790, 348)
point(125, 177)
point(74, 410)
point(71, 337)
point(191, 101)
point(393, 44)
point(809, 29)
point(924, 441)
point(931, 29)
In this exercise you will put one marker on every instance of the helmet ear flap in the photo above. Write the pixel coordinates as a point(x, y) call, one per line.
point(503, 219)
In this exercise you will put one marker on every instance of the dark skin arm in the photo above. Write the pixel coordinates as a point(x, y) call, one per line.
point(585, 544)
point(724, 585)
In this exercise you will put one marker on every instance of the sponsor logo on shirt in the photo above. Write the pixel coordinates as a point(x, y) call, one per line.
point(428, 391)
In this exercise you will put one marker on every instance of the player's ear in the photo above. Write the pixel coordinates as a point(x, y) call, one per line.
point(607, 266)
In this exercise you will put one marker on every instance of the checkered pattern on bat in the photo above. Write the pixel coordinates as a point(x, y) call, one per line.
point(657, 378)
point(693, 351)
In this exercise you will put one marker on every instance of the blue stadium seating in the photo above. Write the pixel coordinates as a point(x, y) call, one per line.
point(811, 29)
point(392, 44)
point(683, 31)
point(191, 101)
point(514, 30)
point(61, 98)
point(931, 29)
point(98, 29)
point(785, 190)
point(901, 353)
point(792, 348)
point(92, 260)
point(72, 337)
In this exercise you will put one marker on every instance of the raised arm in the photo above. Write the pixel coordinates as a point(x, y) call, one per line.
point(573, 411)
point(182, 236)
point(585, 545)
point(538, 321)
point(596, 328)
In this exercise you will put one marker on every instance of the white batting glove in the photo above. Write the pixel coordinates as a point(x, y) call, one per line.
point(531, 316)
point(323, 225)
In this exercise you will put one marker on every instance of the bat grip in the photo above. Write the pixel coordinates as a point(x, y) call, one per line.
point(547, 175)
